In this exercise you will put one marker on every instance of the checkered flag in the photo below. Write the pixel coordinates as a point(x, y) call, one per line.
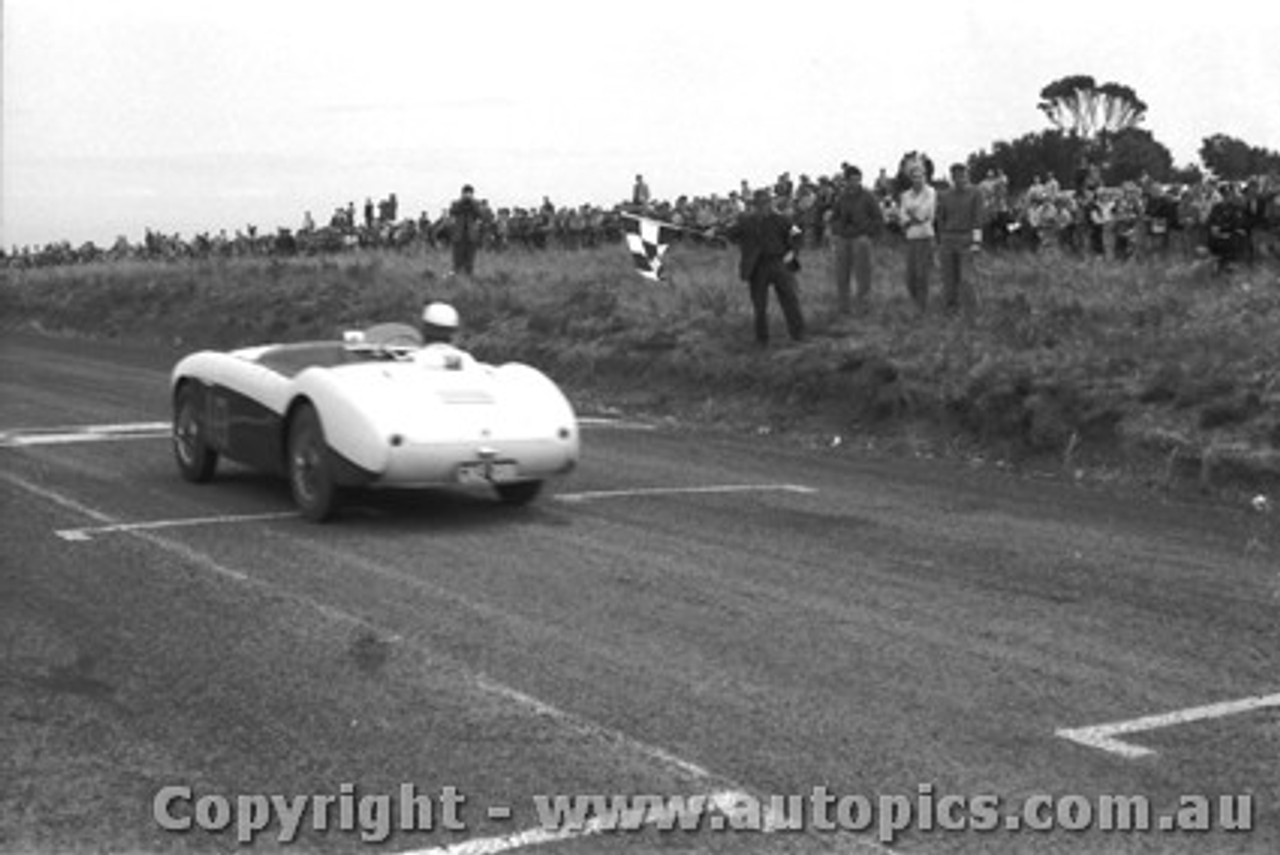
point(648, 240)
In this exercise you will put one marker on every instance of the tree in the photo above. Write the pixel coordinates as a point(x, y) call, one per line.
point(1038, 155)
point(1234, 160)
point(1134, 153)
point(1078, 104)
point(1188, 174)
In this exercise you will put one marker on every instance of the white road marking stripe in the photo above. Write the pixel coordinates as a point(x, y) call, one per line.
point(80, 534)
point(507, 843)
point(128, 427)
point(544, 709)
point(70, 434)
point(85, 533)
point(72, 438)
point(590, 495)
point(620, 424)
point(97, 427)
point(23, 437)
point(1101, 736)
point(476, 680)
point(723, 801)
point(196, 558)
point(89, 532)
point(57, 498)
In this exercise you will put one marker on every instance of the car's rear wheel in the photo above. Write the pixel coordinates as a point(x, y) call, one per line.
point(196, 460)
point(518, 492)
point(310, 474)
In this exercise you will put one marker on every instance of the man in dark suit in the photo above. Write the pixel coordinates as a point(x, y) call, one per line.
point(466, 220)
point(769, 243)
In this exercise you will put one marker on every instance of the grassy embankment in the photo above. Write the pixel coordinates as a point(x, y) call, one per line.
point(1157, 369)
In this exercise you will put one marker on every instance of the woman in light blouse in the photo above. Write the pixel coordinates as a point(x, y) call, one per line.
point(917, 210)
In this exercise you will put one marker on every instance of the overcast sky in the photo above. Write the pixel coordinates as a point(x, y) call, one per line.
point(199, 115)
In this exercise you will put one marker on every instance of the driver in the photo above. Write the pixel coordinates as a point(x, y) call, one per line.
point(439, 329)
point(439, 323)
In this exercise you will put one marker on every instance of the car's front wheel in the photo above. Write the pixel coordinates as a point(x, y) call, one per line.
point(196, 460)
point(310, 474)
point(518, 492)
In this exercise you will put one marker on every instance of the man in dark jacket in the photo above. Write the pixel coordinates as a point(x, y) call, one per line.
point(856, 218)
point(769, 242)
point(465, 224)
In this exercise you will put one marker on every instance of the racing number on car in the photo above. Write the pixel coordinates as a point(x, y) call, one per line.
point(219, 421)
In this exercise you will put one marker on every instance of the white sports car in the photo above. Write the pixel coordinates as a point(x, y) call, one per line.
point(377, 409)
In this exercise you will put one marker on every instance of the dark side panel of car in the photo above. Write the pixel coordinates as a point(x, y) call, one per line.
point(242, 429)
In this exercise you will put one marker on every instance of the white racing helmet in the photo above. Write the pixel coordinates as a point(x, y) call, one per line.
point(439, 321)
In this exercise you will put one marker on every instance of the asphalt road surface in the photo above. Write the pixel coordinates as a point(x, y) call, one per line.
point(770, 627)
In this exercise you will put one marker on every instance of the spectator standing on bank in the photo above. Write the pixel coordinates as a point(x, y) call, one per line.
point(465, 223)
point(856, 218)
point(1228, 228)
point(960, 216)
point(387, 209)
point(784, 187)
point(640, 193)
point(917, 208)
point(884, 184)
point(766, 239)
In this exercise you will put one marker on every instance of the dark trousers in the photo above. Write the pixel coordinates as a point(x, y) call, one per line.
point(852, 261)
point(464, 257)
point(775, 273)
point(955, 257)
point(919, 264)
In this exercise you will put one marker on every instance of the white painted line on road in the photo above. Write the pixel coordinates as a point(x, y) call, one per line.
point(619, 424)
point(72, 434)
point(23, 437)
point(98, 427)
point(724, 801)
point(1102, 736)
point(77, 535)
point(73, 438)
point(57, 498)
point(197, 558)
point(81, 534)
point(544, 709)
point(591, 495)
point(506, 843)
point(128, 427)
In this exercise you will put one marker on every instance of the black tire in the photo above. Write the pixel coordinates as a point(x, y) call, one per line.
point(310, 472)
point(196, 460)
point(518, 492)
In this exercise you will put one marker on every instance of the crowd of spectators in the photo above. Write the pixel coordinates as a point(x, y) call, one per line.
point(1231, 221)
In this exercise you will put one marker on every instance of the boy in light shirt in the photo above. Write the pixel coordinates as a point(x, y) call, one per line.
point(917, 209)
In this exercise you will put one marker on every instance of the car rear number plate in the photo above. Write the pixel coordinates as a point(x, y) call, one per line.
point(487, 472)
